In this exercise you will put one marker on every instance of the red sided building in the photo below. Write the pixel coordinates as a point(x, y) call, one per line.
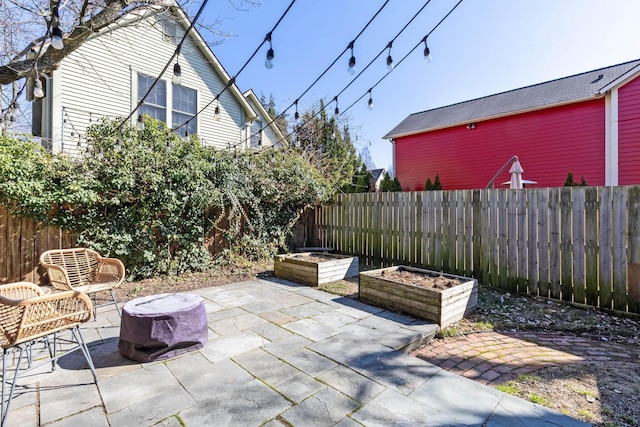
point(587, 124)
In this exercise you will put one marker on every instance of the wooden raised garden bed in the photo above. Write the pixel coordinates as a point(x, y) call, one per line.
point(313, 268)
point(438, 297)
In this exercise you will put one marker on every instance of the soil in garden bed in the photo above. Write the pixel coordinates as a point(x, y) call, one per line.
point(314, 257)
point(422, 280)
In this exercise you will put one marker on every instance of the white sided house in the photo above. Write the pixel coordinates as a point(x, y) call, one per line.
point(111, 71)
point(262, 132)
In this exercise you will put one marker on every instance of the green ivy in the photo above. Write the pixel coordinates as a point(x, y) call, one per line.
point(152, 198)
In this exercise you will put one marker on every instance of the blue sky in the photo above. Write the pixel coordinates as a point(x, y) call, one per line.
point(483, 47)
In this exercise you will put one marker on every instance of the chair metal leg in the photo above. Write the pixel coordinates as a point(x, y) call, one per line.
point(77, 336)
point(4, 411)
point(115, 302)
point(52, 352)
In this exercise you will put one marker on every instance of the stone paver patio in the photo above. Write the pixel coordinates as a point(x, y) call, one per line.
point(278, 354)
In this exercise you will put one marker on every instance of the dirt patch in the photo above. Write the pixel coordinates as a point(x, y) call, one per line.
point(221, 275)
point(603, 390)
point(421, 280)
point(603, 393)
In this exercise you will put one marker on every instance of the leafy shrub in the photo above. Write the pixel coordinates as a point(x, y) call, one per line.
point(150, 197)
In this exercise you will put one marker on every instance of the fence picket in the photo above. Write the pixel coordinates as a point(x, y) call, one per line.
point(633, 229)
point(605, 278)
point(460, 234)
point(503, 233)
point(579, 285)
point(592, 262)
point(566, 261)
point(543, 242)
point(554, 243)
point(532, 242)
point(523, 253)
point(619, 261)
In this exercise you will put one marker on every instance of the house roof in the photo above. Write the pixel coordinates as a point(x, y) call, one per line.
point(566, 90)
point(256, 104)
point(376, 174)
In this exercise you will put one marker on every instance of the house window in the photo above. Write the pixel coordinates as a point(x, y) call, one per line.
point(255, 140)
point(155, 104)
point(184, 110)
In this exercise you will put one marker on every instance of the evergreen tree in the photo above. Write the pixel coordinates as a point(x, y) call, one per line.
point(279, 120)
point(396, 184)
point(361, 182)
point(328, 148)
point(436, 184)
point(386, 184)
point(428, 185)
point(569, 182)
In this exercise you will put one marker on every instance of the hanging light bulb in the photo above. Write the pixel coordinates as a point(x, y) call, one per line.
point(296, 116)
point(140, 122)
point(118, 146)
point(216, 113)
point(168, 146)
point(56, 38)
point(427, 52)
point(352, 61)
point(270, 53)
point(177, 70)
point(370, 103)
point(336, 112)
point(101, 154)
point(38, 92)
point(177, 74)
point(389, 58)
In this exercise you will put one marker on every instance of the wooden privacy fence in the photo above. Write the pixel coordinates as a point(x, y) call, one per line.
point(578, 244)
point(21, 244)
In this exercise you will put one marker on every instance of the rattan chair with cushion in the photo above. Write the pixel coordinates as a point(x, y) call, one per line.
point(83, 270)
point(28, 315)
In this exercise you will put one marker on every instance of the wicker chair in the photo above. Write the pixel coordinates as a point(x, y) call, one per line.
point(84, 270)
point(28, 316)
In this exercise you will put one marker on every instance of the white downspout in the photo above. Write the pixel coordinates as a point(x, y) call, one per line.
point(611, 138)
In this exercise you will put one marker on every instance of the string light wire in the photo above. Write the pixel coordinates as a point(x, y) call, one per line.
point(404, 57)
point(321, 74)
point(233, 79)
point(359, 74)
point(169, 62)
point(338, 58)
